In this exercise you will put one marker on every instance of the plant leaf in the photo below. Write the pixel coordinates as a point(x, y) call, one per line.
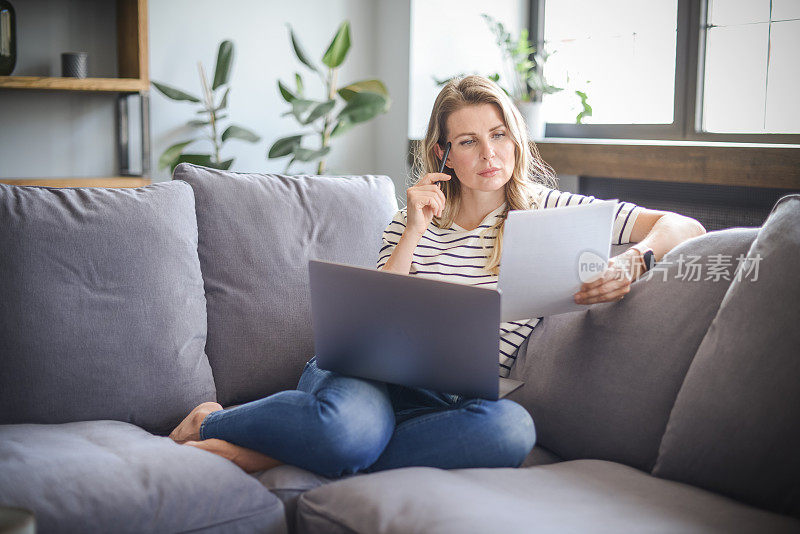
point(307, 154)
point(238, 132)
point(372, 86)
point(341, 127)
point(284, 146)
point(196, 159)
point(171, 154)
point(173, 93)
point(286, 93)
point(319, 110)
point(338, 48)
point(224, 102)
point(300, 106)
point(224, 62)
point(222, 165)
point(198, 124)
point(300, 53)
point(364, 106)
point(298, 82)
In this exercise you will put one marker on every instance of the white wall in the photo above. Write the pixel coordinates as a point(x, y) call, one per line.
point(392, 58)
point(183, 32)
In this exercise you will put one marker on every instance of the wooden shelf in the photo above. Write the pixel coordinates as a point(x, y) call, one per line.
point(132, 77)
point(113, 181)
point(117, 85)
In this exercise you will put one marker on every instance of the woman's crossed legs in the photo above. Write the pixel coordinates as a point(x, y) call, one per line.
point(335, 425)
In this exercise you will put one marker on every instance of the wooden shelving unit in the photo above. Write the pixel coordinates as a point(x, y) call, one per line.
point(133, 79)
point(113, 85)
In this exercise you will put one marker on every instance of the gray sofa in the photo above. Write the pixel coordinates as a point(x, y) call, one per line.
point(675, 410)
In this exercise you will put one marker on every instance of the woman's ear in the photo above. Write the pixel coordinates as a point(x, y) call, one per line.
point(438, 151)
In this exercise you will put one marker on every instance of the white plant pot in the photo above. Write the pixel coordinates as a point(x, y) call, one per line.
point(534, 119)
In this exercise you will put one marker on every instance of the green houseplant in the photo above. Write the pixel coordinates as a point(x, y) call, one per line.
point(342, 108)
point(210, 116)
point(527, 82)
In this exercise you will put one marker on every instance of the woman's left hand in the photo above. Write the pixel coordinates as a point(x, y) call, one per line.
point(614, 283)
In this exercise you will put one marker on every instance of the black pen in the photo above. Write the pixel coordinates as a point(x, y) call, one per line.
point(444, 158)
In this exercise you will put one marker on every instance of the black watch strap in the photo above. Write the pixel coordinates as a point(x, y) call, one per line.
point(649, 258)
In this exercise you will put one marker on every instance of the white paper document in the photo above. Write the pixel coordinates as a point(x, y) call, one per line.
point(548, 254)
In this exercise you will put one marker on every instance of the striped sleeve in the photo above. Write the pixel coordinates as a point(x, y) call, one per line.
point(391, 236)
point(624, 219)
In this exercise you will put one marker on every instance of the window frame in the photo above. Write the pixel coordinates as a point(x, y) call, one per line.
point(688, 89)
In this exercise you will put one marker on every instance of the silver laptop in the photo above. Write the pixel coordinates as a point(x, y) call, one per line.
point(407, 330)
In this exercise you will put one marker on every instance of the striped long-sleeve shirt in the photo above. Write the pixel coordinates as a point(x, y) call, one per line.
point(456, 254)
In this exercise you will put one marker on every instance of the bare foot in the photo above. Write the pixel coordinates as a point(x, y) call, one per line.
point(248, 459)
point(189, 429)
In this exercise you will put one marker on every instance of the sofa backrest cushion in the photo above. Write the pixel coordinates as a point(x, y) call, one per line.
point(601, 383)
point(256, 235)
point(735, 427)
point(102, 312)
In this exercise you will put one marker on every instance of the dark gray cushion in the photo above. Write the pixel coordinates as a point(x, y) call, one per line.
point(601, 383)
point(256, 235)
point(735, 427)
point(107, 476)
point(102, 311)
point(585, 496)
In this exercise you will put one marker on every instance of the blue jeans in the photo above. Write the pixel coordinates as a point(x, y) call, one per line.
point(336, 425)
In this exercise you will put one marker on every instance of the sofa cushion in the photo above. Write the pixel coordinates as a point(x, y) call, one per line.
point(103, 313)
point(256, 235)
point(601, 383)
point(735, 427)
point(579, 496)
point(288, 482)
point(107, 476)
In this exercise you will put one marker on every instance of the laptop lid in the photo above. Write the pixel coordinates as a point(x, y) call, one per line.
point(405, 330)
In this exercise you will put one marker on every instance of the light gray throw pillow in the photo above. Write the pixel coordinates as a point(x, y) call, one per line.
point(102, 312)
point(735, 427)
point(256, 235)
point(601, 383)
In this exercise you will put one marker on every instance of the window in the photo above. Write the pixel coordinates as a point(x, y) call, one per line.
point(710, 70)
point(621, 54)
point(751, 69)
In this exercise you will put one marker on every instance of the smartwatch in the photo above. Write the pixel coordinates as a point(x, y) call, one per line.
point(648, 256)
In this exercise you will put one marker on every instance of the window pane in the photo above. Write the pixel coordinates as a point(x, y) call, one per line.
point(726, 12)
point(785, 9)
point(783, 105)
point(621, 53)
point(735, 78)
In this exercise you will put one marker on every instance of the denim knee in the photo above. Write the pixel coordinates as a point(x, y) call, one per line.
point(351, 440)
point(511, 428)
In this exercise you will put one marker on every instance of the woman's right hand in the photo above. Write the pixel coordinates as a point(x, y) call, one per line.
point(424, 201)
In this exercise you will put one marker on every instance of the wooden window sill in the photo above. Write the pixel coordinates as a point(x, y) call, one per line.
point(720, 163)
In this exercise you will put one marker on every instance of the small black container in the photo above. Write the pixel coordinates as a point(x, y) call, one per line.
point(74, 64)
point(8, 38)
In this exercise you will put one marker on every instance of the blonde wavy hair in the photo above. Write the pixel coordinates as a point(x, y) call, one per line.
point(529, 168)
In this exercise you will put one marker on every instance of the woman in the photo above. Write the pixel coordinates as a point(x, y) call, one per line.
point(452, 229)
